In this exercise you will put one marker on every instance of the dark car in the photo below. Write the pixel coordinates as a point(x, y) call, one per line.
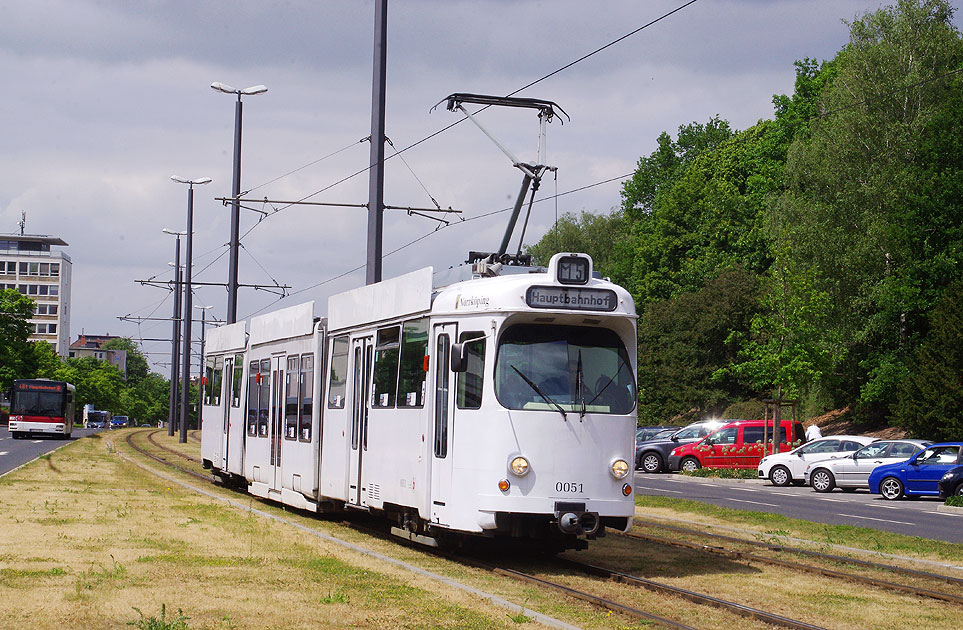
point(952, 483)
point(652, 455)
point(644, 434)
point(919, 475)
point(119, 422)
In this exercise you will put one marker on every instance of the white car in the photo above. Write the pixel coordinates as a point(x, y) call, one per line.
point(852, 472)
point(783, 469)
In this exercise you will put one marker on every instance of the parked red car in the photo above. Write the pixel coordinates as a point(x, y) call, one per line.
point(737, 444)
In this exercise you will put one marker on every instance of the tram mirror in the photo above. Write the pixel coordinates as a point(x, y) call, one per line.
point(459, 360)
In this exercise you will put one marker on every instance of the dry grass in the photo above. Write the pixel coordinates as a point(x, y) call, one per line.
point(87, 539)
point(817, 600)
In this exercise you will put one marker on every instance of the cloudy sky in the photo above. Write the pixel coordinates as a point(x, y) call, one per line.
point(104, 101)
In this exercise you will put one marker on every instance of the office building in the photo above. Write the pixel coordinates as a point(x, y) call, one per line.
point(29, 265)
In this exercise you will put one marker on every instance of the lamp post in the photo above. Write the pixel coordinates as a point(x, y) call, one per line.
point(235, 193)
point(200, 366)
point(175, 345)
point(185, 394)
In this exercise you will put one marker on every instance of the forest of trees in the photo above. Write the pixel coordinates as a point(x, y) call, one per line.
point(816, 256)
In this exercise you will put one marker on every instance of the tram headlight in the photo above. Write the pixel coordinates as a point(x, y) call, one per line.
point(620, 469)
point(519, 466)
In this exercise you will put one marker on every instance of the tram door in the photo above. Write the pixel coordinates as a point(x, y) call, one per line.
point(443, 404)
point(227, 386)
point(361, 355)
point(276, 421)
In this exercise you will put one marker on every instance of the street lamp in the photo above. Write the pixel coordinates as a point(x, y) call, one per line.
point(187, 298)
point(175, 345)
point(235, 193)
point(200, 389)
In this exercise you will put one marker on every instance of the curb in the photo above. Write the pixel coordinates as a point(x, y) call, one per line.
point(950, 509)
point(757, 482)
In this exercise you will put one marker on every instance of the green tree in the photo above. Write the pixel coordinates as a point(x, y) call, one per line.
point(15, 327)
point(604, 237)
point(930, 398)
point(874, 190)
point(41, 360)
point(785, 352)
point(661, 169)
point(98, 382)
point(708, 216)
point(683, 341)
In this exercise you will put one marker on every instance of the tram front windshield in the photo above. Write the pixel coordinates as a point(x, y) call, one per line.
point(566, 368)
point(32, 403)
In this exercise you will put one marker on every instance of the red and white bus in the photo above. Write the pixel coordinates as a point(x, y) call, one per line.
point(41, 406)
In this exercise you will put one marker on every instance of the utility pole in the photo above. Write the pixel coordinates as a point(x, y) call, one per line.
point(376, 176)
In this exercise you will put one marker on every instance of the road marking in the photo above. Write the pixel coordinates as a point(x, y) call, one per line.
point(785, 494)
point(753, 502)
point(4, 452)
point(881, 520)
point(833, 500)
point(658, 489)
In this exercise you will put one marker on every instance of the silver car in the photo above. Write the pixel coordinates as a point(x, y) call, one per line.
point(852, 472)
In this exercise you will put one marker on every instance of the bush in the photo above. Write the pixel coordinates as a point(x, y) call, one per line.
point(955, 501)
point(725, 473)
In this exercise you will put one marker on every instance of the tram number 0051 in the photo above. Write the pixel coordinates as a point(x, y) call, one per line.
point(568, 486)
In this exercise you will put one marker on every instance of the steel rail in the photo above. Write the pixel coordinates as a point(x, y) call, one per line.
point(525, 577)
point(797, 566)
point(130, 442)
point(150, 438)
point(692, 596)
point(805, 552)
point(609, 605)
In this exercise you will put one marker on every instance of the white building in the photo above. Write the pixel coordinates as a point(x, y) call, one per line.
point(28, 265)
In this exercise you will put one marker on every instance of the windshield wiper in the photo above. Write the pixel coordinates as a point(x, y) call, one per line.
point(540, 393)
point(579, 387)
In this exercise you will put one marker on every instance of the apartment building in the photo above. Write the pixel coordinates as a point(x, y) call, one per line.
point(93, 346)
point(29, 265)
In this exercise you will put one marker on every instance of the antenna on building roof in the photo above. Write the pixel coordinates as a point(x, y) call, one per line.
point(23, 221)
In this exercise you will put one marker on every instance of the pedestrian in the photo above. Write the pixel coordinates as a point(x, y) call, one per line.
point(813, 432)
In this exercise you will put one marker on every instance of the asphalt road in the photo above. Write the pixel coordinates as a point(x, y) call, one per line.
point(15, 453)
point(913, 517)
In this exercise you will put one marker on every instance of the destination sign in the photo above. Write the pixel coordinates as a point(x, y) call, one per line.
point(574, 298)
point(39, 387)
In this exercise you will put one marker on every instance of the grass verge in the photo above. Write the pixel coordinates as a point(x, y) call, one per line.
point(90, 541)
point(765, 525)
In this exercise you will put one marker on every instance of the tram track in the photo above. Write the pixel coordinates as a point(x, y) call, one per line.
point(733, 608)
point(825, 571)
point(512, 573)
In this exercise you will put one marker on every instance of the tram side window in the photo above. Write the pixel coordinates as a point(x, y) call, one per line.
point(212, 381)
point(236, 383)
point(442, 376)
point(414, 348)
point(337, 383)
point(386, 367)
point(264, 403)
point(307, 397)
point(291, 399)
point(252, 399)
point(469, 393)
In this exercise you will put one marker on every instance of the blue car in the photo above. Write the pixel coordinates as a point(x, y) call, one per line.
point(919, 475)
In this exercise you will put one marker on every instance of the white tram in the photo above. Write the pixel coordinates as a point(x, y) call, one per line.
point(501, 405)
